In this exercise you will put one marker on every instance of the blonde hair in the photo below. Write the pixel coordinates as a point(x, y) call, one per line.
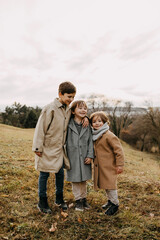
point(100, 114)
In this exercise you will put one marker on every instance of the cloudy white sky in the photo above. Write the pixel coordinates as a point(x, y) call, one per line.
point(110, 47)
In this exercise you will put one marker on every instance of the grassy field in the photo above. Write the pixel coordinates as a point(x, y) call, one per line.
point(138, 187)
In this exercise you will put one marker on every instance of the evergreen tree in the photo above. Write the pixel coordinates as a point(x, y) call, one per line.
point(31, 120)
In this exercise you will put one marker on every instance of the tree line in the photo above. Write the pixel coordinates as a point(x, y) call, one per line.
point(20, 116)
point(139, 127)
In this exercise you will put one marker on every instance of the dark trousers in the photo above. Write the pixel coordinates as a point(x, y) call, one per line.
point(42, 184)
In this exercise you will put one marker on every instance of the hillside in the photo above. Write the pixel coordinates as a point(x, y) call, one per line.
point(139, 194)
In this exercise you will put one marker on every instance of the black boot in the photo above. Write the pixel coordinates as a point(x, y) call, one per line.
point(85, 204)
point(43, 205)
point(60, 202)
point(107, 205)
point(112, 209)
point(79, 205)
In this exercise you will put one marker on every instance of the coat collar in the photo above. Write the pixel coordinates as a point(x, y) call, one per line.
point(102, 136)
point(73, 127)
point(83, 131)
point(59, 104)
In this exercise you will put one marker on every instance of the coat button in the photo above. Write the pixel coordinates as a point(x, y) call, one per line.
point(95, 165)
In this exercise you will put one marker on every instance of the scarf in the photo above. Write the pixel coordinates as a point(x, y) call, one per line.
point(98, 133)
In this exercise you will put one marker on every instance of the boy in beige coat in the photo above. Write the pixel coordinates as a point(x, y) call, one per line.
point(49, 144)
point(108, 161)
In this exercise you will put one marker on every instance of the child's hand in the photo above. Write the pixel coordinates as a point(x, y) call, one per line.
point(87, 160)
point(85, 122)
point(119, 169)
point(39, 154)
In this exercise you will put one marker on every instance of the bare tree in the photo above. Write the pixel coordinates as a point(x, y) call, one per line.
point(95, 102)
point(145, 129)
point(153, 123)
point(120, 116)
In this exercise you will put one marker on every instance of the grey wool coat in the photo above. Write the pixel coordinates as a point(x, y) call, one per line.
point(50, 137)
point(79, 147)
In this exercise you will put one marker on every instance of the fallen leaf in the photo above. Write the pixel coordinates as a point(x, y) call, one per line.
point(57, 216)
point(64, 214)
point(151, 215)
point(90, 238)
point(4, 195)
point(64, 220)
point(79, 220)
point(71, 205)
point(30, 166)
point(101, 213)
point(127, 208)
point(53, 227)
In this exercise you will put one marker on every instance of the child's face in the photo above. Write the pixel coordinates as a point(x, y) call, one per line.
point(80, 111)
point(66, 98)
point(97, 122)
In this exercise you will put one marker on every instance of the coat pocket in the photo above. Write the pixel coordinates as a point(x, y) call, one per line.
point(50, 142)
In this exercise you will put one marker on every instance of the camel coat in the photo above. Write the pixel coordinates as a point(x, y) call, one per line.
point(108, 155)
point(49, 138)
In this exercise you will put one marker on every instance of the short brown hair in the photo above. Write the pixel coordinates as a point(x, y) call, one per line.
point(78, 103)
point(66, 87)
point(100, 114)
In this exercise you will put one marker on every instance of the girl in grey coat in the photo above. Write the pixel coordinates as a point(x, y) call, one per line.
point(79, 147)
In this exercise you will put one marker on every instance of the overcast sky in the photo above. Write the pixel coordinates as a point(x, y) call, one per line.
point(109, 47)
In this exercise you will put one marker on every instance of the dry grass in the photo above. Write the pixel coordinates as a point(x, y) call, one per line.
point(139, 195)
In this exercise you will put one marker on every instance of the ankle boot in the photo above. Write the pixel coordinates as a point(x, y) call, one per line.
point(60, 202)
point(107, 205)
point(85, 203)
point(79, 205)
point(43, 205)
point(112, 209)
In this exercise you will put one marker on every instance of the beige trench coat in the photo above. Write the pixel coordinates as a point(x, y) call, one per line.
point(108, 155)
point(49, 138)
